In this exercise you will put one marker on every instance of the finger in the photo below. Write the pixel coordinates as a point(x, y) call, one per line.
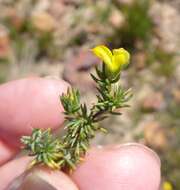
point(124, 167)
point(10, 175)
point(6, 152)
point(29, 103)
point(11, 170)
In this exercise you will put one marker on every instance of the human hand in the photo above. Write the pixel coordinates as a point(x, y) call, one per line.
point(34, 102)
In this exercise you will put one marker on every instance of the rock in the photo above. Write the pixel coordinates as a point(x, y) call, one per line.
point(16, 20)
point(43, 22)
point(117, 19)
point(155, 135)
point(153, 102)
point(167, 21)
point(58, 9)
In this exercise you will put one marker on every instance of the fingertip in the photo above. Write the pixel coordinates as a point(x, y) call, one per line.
point(30, 103)
point(129, 166)
point(138, 147)
point(6, 153)
point(12, 169)
point(15, 176)
point(54, 179)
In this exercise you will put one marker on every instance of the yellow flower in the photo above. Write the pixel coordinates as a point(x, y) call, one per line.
point(114, 61)
point(167, 186)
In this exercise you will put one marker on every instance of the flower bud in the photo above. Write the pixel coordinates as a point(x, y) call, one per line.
point(167, 186)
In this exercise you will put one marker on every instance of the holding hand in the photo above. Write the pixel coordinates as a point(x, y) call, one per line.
point(35, 102)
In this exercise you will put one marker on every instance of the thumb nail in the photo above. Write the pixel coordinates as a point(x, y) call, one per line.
point(30, 182)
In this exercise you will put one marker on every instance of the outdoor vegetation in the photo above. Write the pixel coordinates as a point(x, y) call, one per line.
point(53, 38)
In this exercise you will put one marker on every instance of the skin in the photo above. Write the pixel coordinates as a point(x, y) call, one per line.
point(34, 102)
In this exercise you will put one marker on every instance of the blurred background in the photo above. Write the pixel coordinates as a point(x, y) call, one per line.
point(53, 38)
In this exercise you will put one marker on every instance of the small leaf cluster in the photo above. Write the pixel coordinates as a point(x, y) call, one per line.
point(111, 95)
point(71, 101)
point(80, 124)
point(44, 147)
point(80, 128)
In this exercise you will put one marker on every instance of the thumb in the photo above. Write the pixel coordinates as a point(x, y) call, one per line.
point(14, 177)
point(29, 103)
point(126, 167)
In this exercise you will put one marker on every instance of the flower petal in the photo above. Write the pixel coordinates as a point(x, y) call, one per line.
point(103, 53)
point(121, 57)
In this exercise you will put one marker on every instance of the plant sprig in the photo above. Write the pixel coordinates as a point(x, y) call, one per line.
point(81, 122)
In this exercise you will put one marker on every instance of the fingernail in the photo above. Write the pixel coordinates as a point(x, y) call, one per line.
point(151, 152)
point(30, 182)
